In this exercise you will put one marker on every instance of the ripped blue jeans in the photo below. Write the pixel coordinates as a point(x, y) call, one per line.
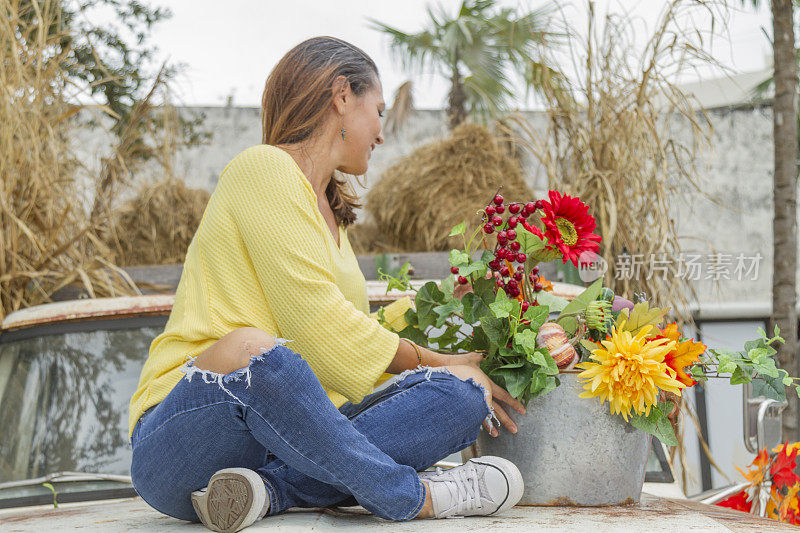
point(274, 417)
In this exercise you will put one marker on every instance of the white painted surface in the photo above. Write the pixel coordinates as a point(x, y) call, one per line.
point(653, 514)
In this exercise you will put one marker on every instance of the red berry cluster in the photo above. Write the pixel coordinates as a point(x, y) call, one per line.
point(507, 252)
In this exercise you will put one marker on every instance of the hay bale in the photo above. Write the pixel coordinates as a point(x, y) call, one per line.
point(365, 238)
point(156, 226)
point(419, 199)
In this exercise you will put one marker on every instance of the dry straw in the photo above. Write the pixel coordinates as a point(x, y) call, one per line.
point(54, 210)
point(47, 240)
point(624, 137)
point(439, 185)
point(157, 225)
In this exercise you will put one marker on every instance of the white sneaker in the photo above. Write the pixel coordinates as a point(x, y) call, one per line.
point(482, 486)
point(233, 499)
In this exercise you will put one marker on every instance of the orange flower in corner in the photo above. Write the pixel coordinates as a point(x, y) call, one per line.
point(684, 354)
point(783, 503)
point(756, 476)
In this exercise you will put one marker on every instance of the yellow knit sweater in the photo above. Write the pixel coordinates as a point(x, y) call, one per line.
point(264, 257)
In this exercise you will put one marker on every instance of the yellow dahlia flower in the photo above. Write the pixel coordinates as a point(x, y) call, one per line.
point(629, 371)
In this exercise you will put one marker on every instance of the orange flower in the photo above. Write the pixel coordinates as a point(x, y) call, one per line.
point(684, 354)
point(756, 476)
point(546, 285)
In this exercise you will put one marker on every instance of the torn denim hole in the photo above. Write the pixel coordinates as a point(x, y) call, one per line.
point(491, 416)
point(220, 379)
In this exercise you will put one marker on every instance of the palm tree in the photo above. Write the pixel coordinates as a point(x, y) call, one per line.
point(784, 225)
point(474, 49)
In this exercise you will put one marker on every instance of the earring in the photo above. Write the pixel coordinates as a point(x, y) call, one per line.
point(343, 133)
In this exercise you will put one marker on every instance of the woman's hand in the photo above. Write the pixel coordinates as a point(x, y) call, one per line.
point(494, 392)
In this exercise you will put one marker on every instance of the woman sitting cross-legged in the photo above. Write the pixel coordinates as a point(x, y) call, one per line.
point(259, 395)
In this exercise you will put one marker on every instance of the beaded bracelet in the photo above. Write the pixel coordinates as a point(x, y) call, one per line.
point(416, 349)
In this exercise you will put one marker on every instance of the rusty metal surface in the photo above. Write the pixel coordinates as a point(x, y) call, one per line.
point(151, 304)
point(651, 514)
point(161, 304)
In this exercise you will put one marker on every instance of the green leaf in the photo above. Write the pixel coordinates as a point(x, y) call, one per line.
point(428, 297)
point(508, 353)
point(543, 384)
point(447, 338)
point(476, 266)
point(770, 387)
point(495, 329)
point(53, 490)
point(411, 317)
point(473, 308)
point(458, 229)
point(484, 288)
point(464, 345)
point(766, 367)
point(400, 282)
point(516, 379)
point(657, 423)
point(537, 314)
point(725, 364)
point(555, 303)
point(739, 377)
point(414, 334)
point(551, 383)
point(777, 331)
point(538, 383)
point(529, 242)
point(545, 361)
point(468, 301)
point(447, 310)
point(527, 340)
point(448, 286)
point(787, 381)
point(481, 342)
point(719, 353)
point(698, 373)
point(458, 258)
point(502, 306)
point(589, 345)
point(757, 354)
point(797, 390)
point(580, 302)
point(515, 364)
point(641, 316)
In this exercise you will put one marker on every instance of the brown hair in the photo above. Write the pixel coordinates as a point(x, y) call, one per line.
point(297, 98)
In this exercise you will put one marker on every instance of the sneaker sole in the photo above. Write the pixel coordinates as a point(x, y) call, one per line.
point(228, 503)
point(513, 478)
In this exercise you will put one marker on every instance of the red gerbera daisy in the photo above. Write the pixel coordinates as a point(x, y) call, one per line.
point(568, 226)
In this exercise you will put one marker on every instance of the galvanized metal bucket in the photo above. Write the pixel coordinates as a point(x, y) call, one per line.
point(571, 450)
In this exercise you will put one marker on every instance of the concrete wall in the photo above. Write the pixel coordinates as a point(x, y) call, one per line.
point(736, 173)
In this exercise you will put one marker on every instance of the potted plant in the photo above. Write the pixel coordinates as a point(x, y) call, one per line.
point(595, 373)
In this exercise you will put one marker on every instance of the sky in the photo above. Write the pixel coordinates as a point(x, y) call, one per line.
point(229, 47)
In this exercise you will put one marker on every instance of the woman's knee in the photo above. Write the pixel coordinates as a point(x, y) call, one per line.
point(234, 350)
point(474, 399)
point(465, 398)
